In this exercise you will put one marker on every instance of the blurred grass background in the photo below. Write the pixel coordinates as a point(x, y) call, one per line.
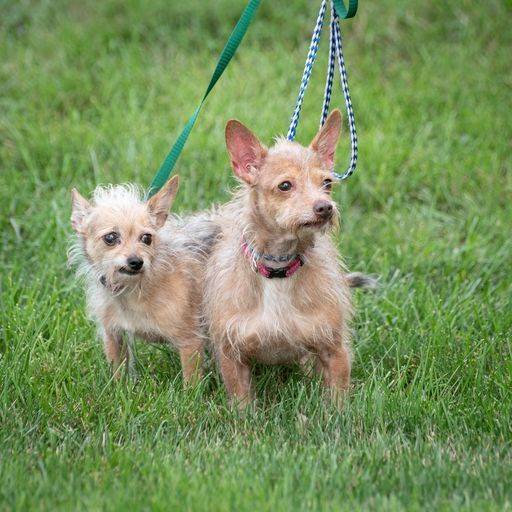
point(96, 92)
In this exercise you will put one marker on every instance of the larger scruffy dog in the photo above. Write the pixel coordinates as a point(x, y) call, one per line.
point(275, 288)
point(143, 270)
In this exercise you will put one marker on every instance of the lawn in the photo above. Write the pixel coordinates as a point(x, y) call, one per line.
point(95, 92)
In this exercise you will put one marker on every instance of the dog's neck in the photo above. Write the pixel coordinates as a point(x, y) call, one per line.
point(276, 247)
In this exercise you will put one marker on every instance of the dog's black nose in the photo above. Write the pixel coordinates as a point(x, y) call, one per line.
point(134, 262)
point(323, 208)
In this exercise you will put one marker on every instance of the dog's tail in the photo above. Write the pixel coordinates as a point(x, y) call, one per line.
point(360, 280)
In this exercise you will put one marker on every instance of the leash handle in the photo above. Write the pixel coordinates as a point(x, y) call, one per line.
point(345, 13)
point(226, 55)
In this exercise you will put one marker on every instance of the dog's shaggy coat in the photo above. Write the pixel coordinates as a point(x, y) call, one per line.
point(282, 208)
point(161, 301)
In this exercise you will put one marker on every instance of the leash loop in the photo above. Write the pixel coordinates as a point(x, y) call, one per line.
point(338, 11)
point(348, 104)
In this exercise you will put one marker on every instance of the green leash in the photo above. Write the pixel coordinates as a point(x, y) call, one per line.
point(344, 13)
point(225, 57)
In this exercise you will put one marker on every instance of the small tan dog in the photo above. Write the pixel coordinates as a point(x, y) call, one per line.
point(143, 271)
point(275, 289)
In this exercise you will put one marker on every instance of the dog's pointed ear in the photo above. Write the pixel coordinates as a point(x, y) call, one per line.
point(245, 150)
point(326, 139)
point(80, 207)
point(161, 202)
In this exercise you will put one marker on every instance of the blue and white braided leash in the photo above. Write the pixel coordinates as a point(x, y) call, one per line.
point(335, 51)
point(308, 67)
point(330, 70)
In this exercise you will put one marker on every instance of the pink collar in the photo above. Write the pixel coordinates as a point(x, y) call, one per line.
point(270, 272)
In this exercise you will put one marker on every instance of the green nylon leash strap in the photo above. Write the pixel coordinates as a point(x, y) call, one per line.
point(225, 57)
point(227, 54)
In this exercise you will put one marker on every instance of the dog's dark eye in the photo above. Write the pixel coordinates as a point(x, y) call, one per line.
point(285, 186)
point(111, 238)
point(146, 238)
point(327, 184)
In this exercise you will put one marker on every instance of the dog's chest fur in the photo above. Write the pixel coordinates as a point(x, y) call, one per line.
point(272, 321)
point(133, 316)
point(161, 315)
point(277, 320)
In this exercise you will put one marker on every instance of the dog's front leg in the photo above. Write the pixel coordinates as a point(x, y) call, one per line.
point(131, 358)
point(191, 356)
point(335, 368)
point(237, 379)
point(113, 346)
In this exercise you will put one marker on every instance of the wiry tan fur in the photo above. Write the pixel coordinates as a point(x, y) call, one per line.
point(274, 321)
point(163, 301)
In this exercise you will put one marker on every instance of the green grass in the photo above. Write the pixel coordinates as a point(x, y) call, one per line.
point(95, 92)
